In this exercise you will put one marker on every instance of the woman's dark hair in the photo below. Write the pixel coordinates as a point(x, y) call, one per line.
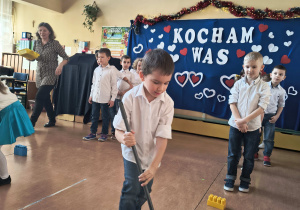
point(46, 25)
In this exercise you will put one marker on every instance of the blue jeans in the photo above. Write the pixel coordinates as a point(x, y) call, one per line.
point(269, 133)
point(234, 149)
point(133, 196)
point(95, 117)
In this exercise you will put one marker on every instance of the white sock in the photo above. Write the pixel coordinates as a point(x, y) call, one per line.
point(3, 166)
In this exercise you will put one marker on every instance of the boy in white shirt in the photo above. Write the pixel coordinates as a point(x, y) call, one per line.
point(150, 113)
point(249, 98)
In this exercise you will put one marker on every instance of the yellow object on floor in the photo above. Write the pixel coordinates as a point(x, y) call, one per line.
point(217, 202)
point(29, 54)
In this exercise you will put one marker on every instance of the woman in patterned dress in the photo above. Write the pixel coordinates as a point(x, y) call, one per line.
point(47, 71)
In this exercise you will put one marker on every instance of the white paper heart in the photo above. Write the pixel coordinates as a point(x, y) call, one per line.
point(287, 43)
point(289, 33)
point(199, 95)
point(174, 57)
point(256, 48)
point(186, 74)
point(151, 40)
point(152, 30)
point(161, 45)
point(271, 35)
point(161, 36)
point(272, 48)
point(292, 91)
point(172, 47)
point(209, 92)
point(199, 74)
point(137, 50)
point(286, 97)
point(267, 60)
point(228, 78)
point(146, 26)
point(221, 98)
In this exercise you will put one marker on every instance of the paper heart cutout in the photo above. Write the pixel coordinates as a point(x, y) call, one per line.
point(172, 47)
point(292, 91)
point(230, 79)
point(256, 48)
point(263, 27)
point(152, 30)
point(240, 53)
point(183, 51)
point(167, 29)
point(289, 33)
point(272, 48)
point(137, 50)
point(262, 72)
point(267, 60)
point(286, 96)
point(160, 36)
point(221, 98)
point(195, 78)
point(181, 78)
point(271, 35)
point(287, 43)
point(174, 57)
point(161, 45)
point(146, 26)
point(151, 40)
point(285, 59)
point(199, 95)
point(212, 92)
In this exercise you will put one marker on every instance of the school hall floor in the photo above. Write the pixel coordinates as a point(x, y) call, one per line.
point(62, 171)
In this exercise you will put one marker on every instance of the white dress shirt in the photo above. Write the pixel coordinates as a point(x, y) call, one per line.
point(8, 98)
point(136, 78)
point(104, 87)
point(276, 99)
point(147, 120)
point(248, 98)
point(121, 84)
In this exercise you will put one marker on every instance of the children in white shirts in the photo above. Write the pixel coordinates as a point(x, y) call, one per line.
point(14, 122)
point(150, 112)
point(136, 68)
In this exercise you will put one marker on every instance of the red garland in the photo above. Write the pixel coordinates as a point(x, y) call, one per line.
point(237, 11)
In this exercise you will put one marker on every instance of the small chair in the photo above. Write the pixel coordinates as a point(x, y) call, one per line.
point(19, 86)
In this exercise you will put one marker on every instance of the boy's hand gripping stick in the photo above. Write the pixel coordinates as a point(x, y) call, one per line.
point(138, 162)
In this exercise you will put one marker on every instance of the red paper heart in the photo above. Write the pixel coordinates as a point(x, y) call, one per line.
point(148, 51)
point(263, 73)
point(285, 59)
point(240, 53)
point(183, 51)
point(181, 79)
point(229, 82)
point(263, 27)
point(195, 79)
point(167, 29)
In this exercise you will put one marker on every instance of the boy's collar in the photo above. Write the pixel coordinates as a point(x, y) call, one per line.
point(253, 81)
point(271, 85)
point(141, 92)
point(105, 66)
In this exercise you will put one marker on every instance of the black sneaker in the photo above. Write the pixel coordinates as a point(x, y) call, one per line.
point(229, 185)
point(5, 181)
point(49, 124)
point(244, 186)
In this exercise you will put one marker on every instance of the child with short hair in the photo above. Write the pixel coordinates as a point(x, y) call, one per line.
point(136, 68)
point(273, 111)
point(150, 113)
point(14, 122)
point(249, 98)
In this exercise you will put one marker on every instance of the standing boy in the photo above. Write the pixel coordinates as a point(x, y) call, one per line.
point(248, 100)
point(273, 111)
point(150, 112)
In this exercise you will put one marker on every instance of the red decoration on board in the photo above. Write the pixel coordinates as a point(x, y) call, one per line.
point(240, 53)
point(229, 82)
point(195, 79)
point(148, 51)
point(263, 27)
point(181, 79)
point(285, 59)
point(183, 51)
point(167, 29)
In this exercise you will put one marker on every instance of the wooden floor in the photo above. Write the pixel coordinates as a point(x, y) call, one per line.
point(62, 171)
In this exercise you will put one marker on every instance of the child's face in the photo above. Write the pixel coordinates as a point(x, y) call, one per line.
point(125, 64)
point(252, 68)
point(277, 76)
point(139, 67)
point(102, 59)
point(155, 84)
